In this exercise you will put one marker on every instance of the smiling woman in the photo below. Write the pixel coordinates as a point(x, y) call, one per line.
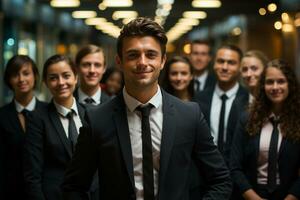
point(20, 76)
point(52, 132)
point(268, 137)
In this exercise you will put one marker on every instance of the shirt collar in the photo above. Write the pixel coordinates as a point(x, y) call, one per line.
point(82, 96)
point(229, 93)
point(29, 107)
point(203, 77)
point(133, 103)
point(63, 110)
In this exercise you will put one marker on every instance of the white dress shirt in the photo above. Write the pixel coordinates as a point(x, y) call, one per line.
point(135, 131)
point(202, 80)
point(216, 109)
point(263, 156)
point(29, 107)
point(96, 97)
point(63, 112)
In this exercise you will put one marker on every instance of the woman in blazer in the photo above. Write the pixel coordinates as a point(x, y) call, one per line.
point(21, 75)
point(52, 132)
point(265, 159)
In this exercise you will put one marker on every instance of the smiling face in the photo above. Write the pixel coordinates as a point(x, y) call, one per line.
point(91, 69)
point(227, 65)
point(276, 86)
point(251, 70)
point(23, 81)
point(61, 81)
point(141, 62)
point(180, 76)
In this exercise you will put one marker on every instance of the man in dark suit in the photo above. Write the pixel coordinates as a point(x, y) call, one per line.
point(223, 103)
point(144, 141)
point(91, 65)
point(200, 58)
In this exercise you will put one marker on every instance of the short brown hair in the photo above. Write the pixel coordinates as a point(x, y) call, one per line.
point(142, 26)
point(233, 48)
point(56, 59)
point(89, 49)
point(14, 65)
point(202, 42)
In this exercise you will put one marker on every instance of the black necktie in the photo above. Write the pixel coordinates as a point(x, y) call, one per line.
point(273, 156)
point(89, 101)
point(25, 114)
point(221, 123)
point(73, 134)
point(197, 84)
point(148, 181)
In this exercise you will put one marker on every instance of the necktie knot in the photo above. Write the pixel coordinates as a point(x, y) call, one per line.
point(145, 110)
point(89, 100)
point(275, 121)
point(224, 97)
point(25, 112)
point(70, 114)
point(197, 84)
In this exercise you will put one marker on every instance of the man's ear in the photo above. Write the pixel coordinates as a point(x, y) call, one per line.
point(163, 61)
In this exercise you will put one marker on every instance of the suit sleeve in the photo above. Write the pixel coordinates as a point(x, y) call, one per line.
point(33, 157)
point(210, 161)
point(79, 174)
point(295, 188)
point(237, 157)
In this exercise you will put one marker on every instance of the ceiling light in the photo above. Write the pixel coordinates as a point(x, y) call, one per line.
point(189, 21)
point(84, 14)
point(278, 25)
point(206, 3)
point(124, 14)
point(65, 3)
point(127, 20)
point(262, 11)
point(95, 21)
point(195, 14)
point(272, 7)
point(101, 6)
point(117, 3)
point(285, 17)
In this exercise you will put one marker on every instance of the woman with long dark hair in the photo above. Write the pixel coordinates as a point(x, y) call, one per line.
point(265, 159)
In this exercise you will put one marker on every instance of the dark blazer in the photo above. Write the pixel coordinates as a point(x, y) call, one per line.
point(105, 145)
point(103, 98)
point(239, 104)
point(244, 157)
point(12, 138)
point(47, 152)
point(210, 80)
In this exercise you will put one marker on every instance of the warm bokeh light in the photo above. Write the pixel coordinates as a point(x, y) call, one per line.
point(278, 25)
point(65, 3)
point(195, 14)
point(287, 28)
point(124, 14)
point(206, 3)
point(272, 7)
point(236, 31)
point(187, 48)
point(262, 11)
point(285, 17)
point(82, 14)
point(117, 3)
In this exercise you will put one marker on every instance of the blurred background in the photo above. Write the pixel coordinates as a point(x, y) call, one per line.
point(41, 28)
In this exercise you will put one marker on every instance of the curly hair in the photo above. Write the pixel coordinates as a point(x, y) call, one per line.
point(261, 108)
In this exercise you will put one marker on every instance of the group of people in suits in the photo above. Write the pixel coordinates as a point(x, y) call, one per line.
point(217, 142)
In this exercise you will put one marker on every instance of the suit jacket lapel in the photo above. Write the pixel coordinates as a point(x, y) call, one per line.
point(54, 117)
point(168, 135)
point(120, 117)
